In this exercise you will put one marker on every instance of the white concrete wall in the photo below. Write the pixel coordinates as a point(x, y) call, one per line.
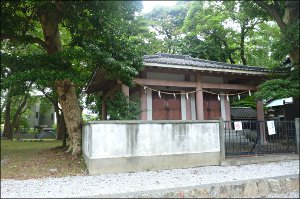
point(86, 140)
point(117, 139)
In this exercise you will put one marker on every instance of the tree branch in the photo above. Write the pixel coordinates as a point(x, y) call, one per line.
point(50, 99)
point(273, 12)
point(26, 38)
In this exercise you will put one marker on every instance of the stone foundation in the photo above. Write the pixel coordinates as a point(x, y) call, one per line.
point(240, 189)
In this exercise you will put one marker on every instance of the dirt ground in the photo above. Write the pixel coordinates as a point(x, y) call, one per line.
point(38, 159)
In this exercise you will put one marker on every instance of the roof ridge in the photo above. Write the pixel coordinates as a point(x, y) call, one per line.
point(189, 57)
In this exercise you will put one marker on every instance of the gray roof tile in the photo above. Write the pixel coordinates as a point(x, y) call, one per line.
point(186, 60)
point(242, 113)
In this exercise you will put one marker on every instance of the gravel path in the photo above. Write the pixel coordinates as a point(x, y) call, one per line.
point(82, 186)
point(286, 195)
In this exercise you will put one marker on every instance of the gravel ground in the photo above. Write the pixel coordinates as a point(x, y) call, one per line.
point(286, 195)
point(82, 186)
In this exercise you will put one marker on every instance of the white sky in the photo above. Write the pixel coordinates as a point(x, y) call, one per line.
point(149, 5)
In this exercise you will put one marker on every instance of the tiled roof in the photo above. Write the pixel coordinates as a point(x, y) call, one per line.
point(242, 113)
point(186, 60)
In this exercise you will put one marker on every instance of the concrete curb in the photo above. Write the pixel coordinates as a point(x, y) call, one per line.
point(259, 187)
point(258, 159)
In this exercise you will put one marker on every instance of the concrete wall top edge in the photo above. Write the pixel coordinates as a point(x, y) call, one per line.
point(151, 122)
point(155, 155)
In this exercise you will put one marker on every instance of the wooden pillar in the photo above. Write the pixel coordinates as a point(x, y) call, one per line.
point(260, 110)
point(227, 105)
point(143, 104)
point(188, 108)
point(188, 101)
point(199, 99)
point(125, 90)
point(261, 119)
point(227, 110)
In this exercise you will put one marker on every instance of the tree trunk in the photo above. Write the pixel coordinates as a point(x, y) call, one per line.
point(291, 15)
point(17, 129)
point(18, 113)
point(49, 20)
point(64, 130)
point(72, 114)
point(242, 44)
point(4, 104)
point(7, 132)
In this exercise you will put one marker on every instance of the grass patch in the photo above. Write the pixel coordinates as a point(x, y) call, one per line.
point(30, 159)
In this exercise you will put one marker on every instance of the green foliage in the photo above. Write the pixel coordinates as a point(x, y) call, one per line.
point(54, 126)
point(33, 131)
point(120, 107)
point(88, 117)
point(248, 101)
point(94, 34)
point(166, 22)
point(280, 87)
point(288, 40)
point(45, 105)
point(94, 103)
point(260, 49)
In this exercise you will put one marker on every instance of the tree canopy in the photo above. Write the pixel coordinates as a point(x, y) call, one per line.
point(68, 40)
point(55, 46)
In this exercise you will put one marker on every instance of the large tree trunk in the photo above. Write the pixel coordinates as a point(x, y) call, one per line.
point(72, 114)
point(49, 20)
point(291, 16)
point(64, 130)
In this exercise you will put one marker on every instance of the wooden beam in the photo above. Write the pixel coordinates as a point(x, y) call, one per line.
point(229, 86)
point(155, 82)
point(185, 84)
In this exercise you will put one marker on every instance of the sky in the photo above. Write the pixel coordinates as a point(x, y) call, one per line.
point(149, 5)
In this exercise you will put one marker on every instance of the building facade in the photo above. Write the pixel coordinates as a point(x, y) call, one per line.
point(39, 119)
point(179, 87)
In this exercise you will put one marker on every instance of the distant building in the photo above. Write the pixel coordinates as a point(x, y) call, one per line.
point(283, 109)
point(41, 120)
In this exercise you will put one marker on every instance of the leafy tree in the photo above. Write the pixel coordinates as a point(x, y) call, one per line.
point(101, 34)
point(248, 101)
point(280, 86)
point(120, 107)
point(167, 22)
point(206, 23)
point(286, 15)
